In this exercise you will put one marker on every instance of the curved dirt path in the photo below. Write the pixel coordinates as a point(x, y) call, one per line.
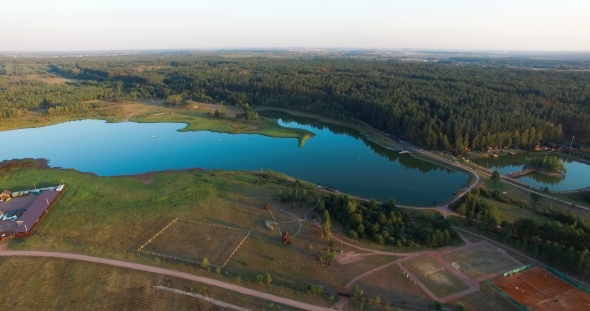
point(178, 274)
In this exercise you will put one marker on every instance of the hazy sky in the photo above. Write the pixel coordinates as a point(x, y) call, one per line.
point(60, 25)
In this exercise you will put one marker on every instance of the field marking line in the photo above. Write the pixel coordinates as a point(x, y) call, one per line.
point(275, 221)
point(212, 225)
point(157, 234)
point(216, 302)
point(235, 250)
point(418, 282)
point(285, 222)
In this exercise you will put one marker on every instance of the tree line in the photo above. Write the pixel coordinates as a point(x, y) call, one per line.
point(385, 223)
point(438, 106)
point(563, 240)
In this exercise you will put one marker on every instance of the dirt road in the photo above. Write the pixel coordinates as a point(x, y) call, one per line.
point(163, 271)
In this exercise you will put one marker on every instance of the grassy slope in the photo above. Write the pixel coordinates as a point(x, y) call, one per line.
point(51, 284)
point(113, 216)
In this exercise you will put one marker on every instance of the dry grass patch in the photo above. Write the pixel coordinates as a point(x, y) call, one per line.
point(393, 287)
point(441, 283)
point(194, 241)
point(485, 299)
point(56, 284)
point(479, 260)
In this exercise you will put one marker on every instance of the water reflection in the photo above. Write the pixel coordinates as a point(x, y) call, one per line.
point(576, 176)
point(407, 161)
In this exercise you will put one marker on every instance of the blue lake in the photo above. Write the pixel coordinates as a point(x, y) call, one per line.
point(576, 177)
point(337, 156)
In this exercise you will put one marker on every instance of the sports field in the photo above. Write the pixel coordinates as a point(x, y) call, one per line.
point(194, 241)
point(442, 283)
point(539, 290)
point(480, 260)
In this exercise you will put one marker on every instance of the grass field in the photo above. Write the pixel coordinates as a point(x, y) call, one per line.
point(93, 211)
point(442, 283)
point(486, 299)
point(479, 261)
point(285, 221)
point(194, 241)
point(521, 194)
point(392, 287)
point(52, 284)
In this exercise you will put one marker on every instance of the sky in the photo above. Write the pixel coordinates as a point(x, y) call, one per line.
point(499, 25)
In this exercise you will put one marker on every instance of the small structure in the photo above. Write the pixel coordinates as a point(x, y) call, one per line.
point(286, 238)
point(5, 195)
point(267, 206)
point(268, 225)
point(331, 188)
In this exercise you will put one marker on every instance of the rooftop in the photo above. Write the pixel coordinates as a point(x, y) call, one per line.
point(36, 210)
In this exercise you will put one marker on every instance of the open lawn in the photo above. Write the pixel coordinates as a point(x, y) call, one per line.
point(93, 212)
point(511, 213)
point(479, 260)
point(486, 299)
point(194, 241)
point(52, 284)
point(523, 195)
point(392, 287)
point(441, 283)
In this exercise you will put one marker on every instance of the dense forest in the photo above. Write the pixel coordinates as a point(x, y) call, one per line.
point(385, 223)
point(434, 105)
point(563, 240)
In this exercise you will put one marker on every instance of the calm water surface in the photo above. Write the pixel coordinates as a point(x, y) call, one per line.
point(577, 176)
point(337, 155)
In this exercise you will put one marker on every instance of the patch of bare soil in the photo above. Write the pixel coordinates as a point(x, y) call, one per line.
point(4, 243)
point(146, 178)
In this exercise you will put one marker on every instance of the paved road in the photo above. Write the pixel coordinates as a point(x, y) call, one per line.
point(163, 271)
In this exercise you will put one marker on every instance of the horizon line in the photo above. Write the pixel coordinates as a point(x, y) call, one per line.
point(261, 49)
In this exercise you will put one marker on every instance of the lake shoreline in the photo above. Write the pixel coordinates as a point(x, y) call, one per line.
point(194, 120)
